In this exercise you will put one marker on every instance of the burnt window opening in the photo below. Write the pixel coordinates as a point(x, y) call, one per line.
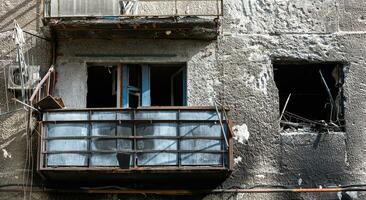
point(101, 87)
point(313, 93)
point(136, 85)
point(167, 85)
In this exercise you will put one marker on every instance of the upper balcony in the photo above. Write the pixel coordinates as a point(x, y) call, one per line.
point(172, 19)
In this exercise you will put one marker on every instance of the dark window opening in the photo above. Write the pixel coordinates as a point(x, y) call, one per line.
point(134, 86)
point(314, 94)
point(167, 85)
point(101, 87)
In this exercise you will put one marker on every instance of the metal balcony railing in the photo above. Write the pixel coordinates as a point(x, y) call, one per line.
point(177, 137)
point(132, 8)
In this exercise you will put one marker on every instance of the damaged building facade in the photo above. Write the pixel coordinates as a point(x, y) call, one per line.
point(194, 99)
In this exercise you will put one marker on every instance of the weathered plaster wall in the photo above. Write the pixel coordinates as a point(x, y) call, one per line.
point(203, 74)
point(12, 116)
point(237, 69)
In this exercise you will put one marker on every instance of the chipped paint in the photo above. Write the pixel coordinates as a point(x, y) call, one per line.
point(6, 154)
point(241, 133)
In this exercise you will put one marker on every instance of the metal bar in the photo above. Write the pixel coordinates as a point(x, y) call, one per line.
point(134, 137)
point(37, 36)
point(156, 168)
point(130, 16)
point(332, 102)
point(24, 104)
point(153, 108)
point(222, 126)
point(6, 91)
point(134, 157)
point(37, 189)
point(141, 121)
point(89, 140)
point(136, 151)
point(38, 87)
point(223, 146)
point(179, 156)
point(284, 108)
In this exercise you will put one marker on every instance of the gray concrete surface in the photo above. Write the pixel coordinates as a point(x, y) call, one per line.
point(237, 68)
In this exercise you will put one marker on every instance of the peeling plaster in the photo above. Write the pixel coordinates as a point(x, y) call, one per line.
point(238, 160)
point(258, 83)
point(241, 133)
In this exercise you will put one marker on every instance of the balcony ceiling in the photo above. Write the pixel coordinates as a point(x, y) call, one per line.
point(137, 28)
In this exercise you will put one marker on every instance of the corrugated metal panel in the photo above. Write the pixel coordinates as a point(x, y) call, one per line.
point(82, 8)
point(149, 142)
point(64, 8)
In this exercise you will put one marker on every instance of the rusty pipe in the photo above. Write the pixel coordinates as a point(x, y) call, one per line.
point(39, 85)
point(183, 192)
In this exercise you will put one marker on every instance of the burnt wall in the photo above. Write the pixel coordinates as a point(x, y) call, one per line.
point(238, 70)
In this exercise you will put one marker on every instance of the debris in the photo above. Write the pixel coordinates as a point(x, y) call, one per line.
point(293, 124)
point(50, 102)
point(284, 108)
point(6, 154)
point(333, 105)
point(123, 160)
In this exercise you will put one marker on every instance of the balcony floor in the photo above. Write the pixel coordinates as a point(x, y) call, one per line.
point(198, 28)
point(167, 179)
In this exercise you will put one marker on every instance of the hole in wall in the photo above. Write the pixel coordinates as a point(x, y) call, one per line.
point(310, 95)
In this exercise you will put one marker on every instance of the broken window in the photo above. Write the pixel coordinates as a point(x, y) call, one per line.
point(101, 87)
point(167, 85)
point(310, 95)
point(136, 85)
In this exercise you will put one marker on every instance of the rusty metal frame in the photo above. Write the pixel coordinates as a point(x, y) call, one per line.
point(227, 164)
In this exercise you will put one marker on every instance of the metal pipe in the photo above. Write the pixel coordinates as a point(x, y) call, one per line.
point(222, 126)
point(37, 36)
point(284, 108)
point(24, 104)
point(180, 191)
point(44, 79)
point(6, 91)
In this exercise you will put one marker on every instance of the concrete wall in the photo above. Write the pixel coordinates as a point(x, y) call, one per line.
point(237, 69)
point(13, 142)
point(203, 74)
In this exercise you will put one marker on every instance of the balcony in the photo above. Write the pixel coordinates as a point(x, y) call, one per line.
point(155, 144)
point(174, 19)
